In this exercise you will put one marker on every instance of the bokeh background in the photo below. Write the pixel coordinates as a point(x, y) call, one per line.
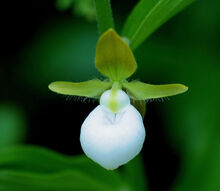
point(45, 41)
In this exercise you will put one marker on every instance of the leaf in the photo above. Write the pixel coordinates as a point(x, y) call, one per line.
point(85, 9)
point(114, 58)
point(81, 8)
point(91, 88)
point(147, 16)
point(104, 15)
point(69, 180)
point(142, 91)
point(35, 168)
point(134, 174)
point(12, 124)
point(64, 4)
point(32, 158)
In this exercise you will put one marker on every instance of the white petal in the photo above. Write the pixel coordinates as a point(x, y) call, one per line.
point(111, 139)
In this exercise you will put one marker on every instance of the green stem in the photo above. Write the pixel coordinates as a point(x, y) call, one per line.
point(104, 15)
point(134, 174)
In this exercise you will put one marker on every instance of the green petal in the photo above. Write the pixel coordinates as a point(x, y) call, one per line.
point(142, 91)
point(114, 58)
point(91, 88)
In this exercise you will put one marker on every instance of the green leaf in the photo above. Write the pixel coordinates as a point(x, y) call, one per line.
point(114, 58)
point(134, 174)
point(142, 91)
point(64, 4)
point(69, 180)
point(35, 168)
point(33, 159)
point(104, 15)
point(81, 8)
point(147, 16)
point(91, 88)
point(85, 8)
point(12, 124)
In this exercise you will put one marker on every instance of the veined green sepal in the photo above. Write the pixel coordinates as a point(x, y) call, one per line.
point(142, 91)
point(91, 88)
point(114, 58)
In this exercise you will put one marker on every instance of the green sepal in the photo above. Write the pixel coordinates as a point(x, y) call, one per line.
point(114, 58)
point(140, 105)
point(142, 91)
point(92, 88)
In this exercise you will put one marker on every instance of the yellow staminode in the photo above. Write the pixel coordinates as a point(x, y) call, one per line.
point(113, 102)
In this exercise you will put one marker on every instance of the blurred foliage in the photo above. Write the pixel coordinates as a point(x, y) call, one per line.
point(134, 174)
point(34, 168)
point(63, 50)
point(12, 124)
point(81, 8)
point(147, 16)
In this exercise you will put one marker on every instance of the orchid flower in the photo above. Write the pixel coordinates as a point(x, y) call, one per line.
point(113, 133)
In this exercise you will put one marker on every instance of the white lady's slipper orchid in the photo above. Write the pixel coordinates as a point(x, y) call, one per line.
point(113, 138)
point(113, 133)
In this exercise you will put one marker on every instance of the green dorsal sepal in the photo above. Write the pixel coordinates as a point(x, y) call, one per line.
point(114, 58)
